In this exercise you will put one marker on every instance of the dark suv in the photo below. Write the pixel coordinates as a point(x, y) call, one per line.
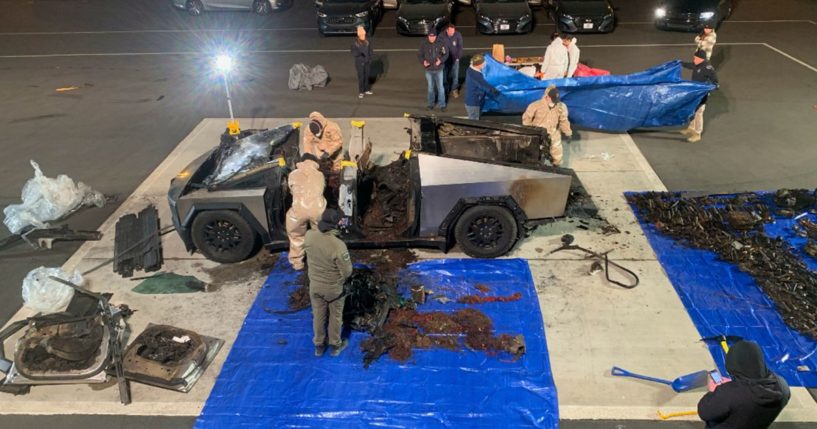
point(691, 15)
point(418, 17)
point(344, 16)
point(584, 16)
point(503, 16)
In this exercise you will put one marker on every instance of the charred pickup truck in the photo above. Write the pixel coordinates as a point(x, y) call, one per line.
point(478, 184)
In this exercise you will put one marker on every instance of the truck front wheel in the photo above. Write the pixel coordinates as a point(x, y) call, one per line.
point(224, 236)
point(486, 231)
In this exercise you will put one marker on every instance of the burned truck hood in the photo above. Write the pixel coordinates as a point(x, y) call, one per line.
point(233, 157)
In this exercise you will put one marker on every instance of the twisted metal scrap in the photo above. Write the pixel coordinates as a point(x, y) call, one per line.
point(732, 227)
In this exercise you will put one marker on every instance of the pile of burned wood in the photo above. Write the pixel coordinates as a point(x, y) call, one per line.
point(733, 228)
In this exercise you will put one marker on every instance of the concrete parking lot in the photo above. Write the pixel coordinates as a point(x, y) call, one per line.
point(142, 75)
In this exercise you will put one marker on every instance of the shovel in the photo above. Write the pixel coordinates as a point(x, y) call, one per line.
point(680, 384)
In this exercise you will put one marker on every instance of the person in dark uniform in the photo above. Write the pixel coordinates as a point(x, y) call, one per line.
point(328, 267)
point(702, 71)
point(752, 399)
point(362, 51)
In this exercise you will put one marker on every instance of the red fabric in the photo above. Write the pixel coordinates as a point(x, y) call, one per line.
point(584, 71)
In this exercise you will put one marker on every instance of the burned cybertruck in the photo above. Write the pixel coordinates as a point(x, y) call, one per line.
point(478, 184)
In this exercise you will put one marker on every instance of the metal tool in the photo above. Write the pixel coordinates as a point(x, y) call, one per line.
point(567, 244)
point(680, 384)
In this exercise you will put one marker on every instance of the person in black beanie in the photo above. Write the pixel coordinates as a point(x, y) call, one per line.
point(363, 53)
point(752, 399)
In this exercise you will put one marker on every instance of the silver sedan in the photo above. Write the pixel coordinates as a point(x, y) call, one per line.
point(261, 7)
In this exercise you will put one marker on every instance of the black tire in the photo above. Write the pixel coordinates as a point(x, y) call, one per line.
point(194, 7)
point(261, 7)
point(224, 236)
point(486, 231)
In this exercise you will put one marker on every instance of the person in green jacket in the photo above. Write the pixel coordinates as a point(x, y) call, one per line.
point(328, 266)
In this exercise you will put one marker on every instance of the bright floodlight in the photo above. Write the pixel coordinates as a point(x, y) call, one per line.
point(224, 63)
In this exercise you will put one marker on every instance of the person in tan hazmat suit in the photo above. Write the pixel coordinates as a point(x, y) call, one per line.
point(306, 184)
point(323, 139)
point(551, 114)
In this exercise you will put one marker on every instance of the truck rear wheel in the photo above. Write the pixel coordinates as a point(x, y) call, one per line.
point(224, 236)
point(486, 231)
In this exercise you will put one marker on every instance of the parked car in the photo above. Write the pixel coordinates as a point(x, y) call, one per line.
point(584, 16)
point(479, 184)
point(261, 7)
point(418, 17)
point(503, 16)
point(691, 15)
point(344, 16)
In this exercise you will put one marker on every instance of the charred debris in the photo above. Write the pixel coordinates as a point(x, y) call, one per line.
point(396, 323)
point(733, 228)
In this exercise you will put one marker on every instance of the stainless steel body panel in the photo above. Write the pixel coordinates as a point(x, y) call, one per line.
point(252, 199)
point(444, 181)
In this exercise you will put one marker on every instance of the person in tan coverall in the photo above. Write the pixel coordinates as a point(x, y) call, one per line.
point(323, 139)
point(551, 114)
point(306, 184)
point(329, 267)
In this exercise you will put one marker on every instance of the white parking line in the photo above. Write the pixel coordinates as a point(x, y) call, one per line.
point(798, 61)
point(346, 51)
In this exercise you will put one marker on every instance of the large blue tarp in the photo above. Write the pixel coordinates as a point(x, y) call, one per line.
point(722, 300)
point(272, 380)
point(657, 97)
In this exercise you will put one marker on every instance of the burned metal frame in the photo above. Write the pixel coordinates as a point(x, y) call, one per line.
point(567, 244)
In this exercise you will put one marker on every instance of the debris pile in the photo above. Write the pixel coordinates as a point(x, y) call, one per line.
point(407, 329)
point(732, 227)
point(386, 214)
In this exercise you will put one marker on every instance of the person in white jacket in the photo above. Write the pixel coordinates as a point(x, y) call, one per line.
point(555, 63)
point(573, 53)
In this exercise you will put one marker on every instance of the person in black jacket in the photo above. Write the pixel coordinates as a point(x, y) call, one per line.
point(476, 87)
point(702, 71)
point(362, 51)
point(432, 55)
point(453, 42)
point(752, 399)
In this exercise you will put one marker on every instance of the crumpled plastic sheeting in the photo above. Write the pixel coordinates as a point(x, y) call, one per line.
point(721, 299)
point(302, 76)
point(249, 151)
point(656, 97)
point(46, 199)
point(271, 378)
point(40, 293)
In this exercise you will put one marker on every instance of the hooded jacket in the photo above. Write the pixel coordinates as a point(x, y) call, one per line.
point(752, 400)
point(306, 183)
point(330, 141)
point(552, 118)
point(555, 63)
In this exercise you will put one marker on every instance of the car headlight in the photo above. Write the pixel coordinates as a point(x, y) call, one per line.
point(321, 15)
point(566, 16)
point(439, 19)
point(660, 12)
point(363, 14)
point(402, 19)
point(525, 17)
point(707, 15)
point(484, 18)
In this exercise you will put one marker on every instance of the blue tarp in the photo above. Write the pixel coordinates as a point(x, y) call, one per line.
point(272, 380)
point(656, 97)
point(722, 300)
